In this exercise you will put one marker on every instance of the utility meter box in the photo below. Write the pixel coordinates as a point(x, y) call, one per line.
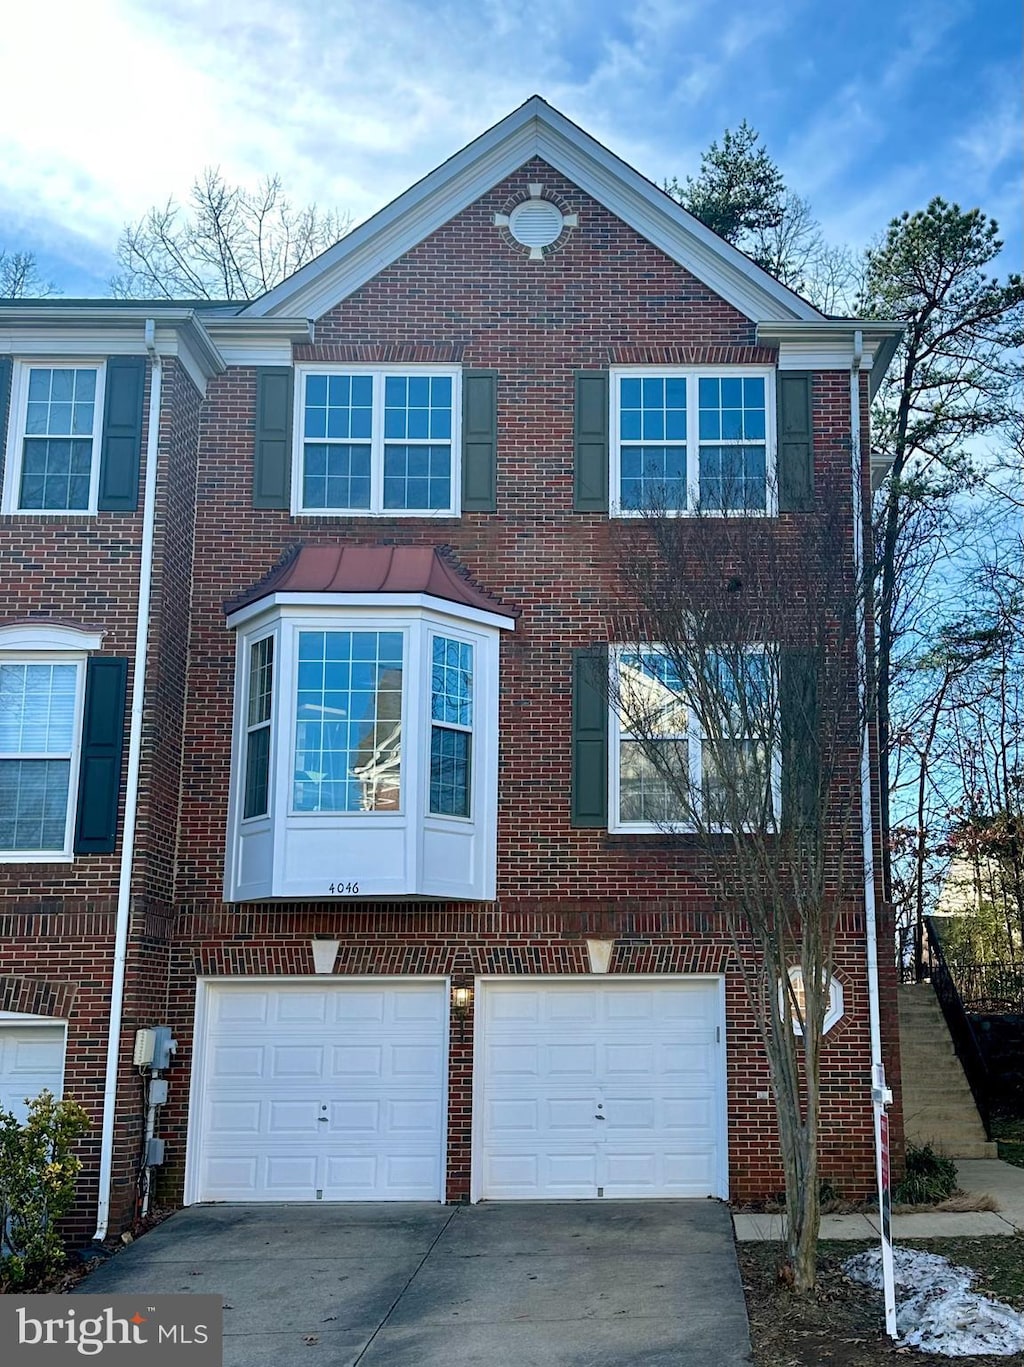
point(145, 1043)
point(165, 1046)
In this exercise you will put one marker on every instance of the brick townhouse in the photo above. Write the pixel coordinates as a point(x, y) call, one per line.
point(298, 753)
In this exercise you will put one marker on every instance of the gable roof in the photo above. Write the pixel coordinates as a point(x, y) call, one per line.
point(535, 129)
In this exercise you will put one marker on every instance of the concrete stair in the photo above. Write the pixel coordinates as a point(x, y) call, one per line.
point(938, 1108)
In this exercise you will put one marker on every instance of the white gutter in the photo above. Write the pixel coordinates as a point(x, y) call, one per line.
point(131, 801)
point(880, 1093)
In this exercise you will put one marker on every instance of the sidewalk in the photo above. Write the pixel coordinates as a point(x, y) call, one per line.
point(981, 1176)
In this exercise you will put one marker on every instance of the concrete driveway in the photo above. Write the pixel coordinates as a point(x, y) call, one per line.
point(567, 1284)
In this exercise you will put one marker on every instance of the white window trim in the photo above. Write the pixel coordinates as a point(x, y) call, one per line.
point(692, 374)
point(17, 648)
point(379, 373)
point(18, 416)
point(695, 738)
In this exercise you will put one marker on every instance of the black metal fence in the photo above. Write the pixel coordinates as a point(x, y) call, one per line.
point(961, 1029)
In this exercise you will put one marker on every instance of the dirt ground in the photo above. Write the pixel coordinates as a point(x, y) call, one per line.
point(842, 1324)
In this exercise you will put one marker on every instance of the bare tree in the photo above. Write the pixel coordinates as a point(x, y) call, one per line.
point(20, 277)
point(228, 243)
point(740, 708)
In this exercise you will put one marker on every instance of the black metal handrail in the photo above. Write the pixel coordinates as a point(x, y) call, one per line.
point(990, 989)
point(961, 1031)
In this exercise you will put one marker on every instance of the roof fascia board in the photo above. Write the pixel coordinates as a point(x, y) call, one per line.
point(259, 341)
point(313, 602)
point(829, 344)
point(533, 130)
point(77, 331)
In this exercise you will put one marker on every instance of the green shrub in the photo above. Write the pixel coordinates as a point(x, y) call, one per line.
point(930, 1177)
point(37, 1186)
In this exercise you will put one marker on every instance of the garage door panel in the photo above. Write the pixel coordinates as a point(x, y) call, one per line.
point(303, 1007)
point(251, 1007)
point(31, 1061)
point(229, 1061)
point(618, 1089)
point(335, 1095)
point(288, 1061)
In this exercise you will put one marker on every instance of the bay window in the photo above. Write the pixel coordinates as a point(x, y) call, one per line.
point(366, 750)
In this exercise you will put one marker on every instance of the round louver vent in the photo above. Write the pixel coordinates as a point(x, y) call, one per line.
point(536, 223)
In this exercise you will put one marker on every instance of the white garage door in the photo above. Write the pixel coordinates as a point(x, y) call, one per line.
point(590, 1089)
point(31, 1059)
point(332, 1092)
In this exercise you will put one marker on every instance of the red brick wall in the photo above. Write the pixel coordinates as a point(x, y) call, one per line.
point(465, 296)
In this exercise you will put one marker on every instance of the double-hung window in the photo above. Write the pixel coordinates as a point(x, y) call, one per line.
point(451, 725)
point(692, 440)
point(377, 442)
point(690, 753)
point(54, 439)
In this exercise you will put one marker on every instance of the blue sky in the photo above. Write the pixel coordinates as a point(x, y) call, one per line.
point(869, 108)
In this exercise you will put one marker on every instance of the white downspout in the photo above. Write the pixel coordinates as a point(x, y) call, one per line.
point(880, 1093)
point(131, 801)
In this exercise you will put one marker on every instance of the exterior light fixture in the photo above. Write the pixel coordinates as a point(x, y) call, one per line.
point(461, 998)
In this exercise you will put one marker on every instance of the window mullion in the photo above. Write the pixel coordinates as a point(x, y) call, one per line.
point(377, 446)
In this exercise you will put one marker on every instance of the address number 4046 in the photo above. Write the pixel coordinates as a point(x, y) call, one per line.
point(344, 889)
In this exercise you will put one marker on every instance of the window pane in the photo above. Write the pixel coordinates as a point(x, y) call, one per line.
point(61, 402)
point(650, 696)
point(451, 682)
point(733, 477)
point(736, 783)
point(417, 477)
point(55, 474)
point(654, 781)
point(336, 476)
point(257, 772)
point(37, 708)
point(653, 478)
point(449, 771)
point(33, 804)
point(348, 736)
point(261, 680)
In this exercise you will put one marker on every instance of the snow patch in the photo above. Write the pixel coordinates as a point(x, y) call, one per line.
point(936, 1310)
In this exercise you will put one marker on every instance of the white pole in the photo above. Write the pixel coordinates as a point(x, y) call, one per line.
point(880, 1094)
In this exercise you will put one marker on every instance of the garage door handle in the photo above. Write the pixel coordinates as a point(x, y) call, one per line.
point(599, 1117)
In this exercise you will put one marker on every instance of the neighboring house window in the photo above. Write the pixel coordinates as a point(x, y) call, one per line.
point(39, 718)
point(381, 442)
point(689, 440)
point(53, 450)
point(676, 762)
point(42, 708)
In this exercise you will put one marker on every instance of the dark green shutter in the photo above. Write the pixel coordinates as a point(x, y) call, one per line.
point(121, 443)
point(479, 441)
point(801, 757)
point(589, 805)
point(99, 777)
point(590, 431)
point(272, 455)
point(6, 368)
point(796, 444)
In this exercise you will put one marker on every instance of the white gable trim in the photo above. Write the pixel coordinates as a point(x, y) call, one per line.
point(534, 129)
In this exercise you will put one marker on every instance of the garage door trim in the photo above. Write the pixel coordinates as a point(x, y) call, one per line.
point(483, 982)
point(200, 1036)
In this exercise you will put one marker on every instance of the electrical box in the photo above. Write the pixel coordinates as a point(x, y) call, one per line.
point(158, 1091)
point(164, 1048)
point(154, 1153)
point(145, 1043)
